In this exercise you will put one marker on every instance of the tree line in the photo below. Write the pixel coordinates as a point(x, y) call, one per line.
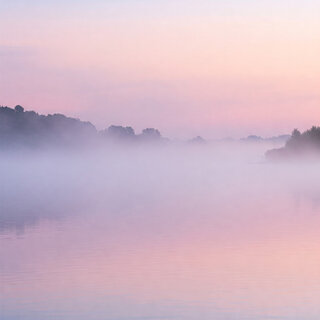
point(30, 129)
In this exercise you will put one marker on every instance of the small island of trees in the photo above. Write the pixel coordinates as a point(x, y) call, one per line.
point(300, 145)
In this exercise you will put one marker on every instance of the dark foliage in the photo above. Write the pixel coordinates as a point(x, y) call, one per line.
point(299, 145)
point(20, 128)
point(119, 134)
point(150, 134)
point(252, 138)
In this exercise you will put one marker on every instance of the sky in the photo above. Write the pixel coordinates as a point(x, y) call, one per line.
point(187, 67)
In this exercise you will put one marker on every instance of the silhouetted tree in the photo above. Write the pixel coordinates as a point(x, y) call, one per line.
point(120, 132)
point(296, 134)
point(252, 138)
point(298, 145)
point(19, 108)
point(18, 127)
point(29, 129)
point(151, 133)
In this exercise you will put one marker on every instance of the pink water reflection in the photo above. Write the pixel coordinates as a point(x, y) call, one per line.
point(249, 259)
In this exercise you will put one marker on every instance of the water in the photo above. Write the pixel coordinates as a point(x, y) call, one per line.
point(159, 235)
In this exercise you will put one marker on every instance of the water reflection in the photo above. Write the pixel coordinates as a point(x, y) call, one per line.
point(168, 242)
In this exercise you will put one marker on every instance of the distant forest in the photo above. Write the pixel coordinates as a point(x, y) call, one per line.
point(300, 145)
point(29, 129)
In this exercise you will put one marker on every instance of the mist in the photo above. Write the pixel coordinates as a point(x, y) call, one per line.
point(159, 160)
point(54, 184)
point(152, 229)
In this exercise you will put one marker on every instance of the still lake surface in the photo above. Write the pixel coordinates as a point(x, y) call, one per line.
point(159, 235)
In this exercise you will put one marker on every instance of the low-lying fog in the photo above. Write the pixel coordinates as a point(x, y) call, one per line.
point(169, 232)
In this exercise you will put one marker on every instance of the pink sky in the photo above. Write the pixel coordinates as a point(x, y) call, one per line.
point(185, 67)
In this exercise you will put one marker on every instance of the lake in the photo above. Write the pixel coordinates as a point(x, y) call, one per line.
point(173, 234)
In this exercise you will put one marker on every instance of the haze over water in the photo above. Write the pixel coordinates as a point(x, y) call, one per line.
point(154, 205)
point(193, 232)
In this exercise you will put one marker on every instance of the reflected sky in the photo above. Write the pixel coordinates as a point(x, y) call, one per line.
point(166, 240)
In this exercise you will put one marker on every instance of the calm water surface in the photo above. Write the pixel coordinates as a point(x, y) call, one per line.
point(175, 239)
